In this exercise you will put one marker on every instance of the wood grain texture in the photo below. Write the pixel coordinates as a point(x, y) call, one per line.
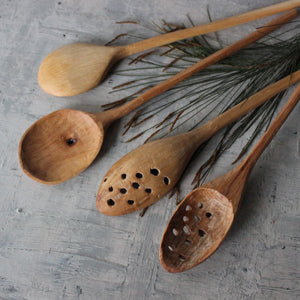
point(78, 67)
point(54, 244)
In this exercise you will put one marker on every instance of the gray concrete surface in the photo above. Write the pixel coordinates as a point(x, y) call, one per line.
point(54, 244)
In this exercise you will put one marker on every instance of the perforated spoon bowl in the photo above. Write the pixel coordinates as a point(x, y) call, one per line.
point(79, 67)
point(64, 143)
point(146, 174)
point(204, 217)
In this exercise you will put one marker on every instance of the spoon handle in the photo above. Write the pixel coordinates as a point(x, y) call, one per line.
point(109, 116)
point(264, 141)
point(210, 27)
point(206, 131)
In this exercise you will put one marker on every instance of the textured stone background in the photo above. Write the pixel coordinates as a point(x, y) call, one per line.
point(53, 242)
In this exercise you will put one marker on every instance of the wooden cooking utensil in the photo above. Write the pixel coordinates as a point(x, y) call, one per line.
point(79, 67)
point(64, 143)
point(204, 217)
point(147, 173)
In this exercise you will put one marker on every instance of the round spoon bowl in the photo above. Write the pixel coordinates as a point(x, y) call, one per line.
point(196, 229)
point(60, 145)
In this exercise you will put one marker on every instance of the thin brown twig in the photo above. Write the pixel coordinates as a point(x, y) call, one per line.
point(127, 22)
point(133, 118)
point(124, 84)
point(165, 119)
point(140, 57)
point(143, 211)
point(135, 137)
point(114, 39)
point(171, 63)
point(176, 119)
point(142, 121)
point(130, 122)
point(168, 51)
point(151, 136)
point(114, 104)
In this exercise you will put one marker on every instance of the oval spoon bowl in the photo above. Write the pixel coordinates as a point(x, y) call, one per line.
point(194, 229)
point(75, 68)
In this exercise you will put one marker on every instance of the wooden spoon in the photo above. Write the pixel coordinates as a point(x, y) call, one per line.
point(204, 217)
point(64, 143)
point(79, 67)
point(146, 174)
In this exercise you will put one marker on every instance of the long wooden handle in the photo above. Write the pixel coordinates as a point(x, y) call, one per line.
point(210, 27)
point(264, 141)
point(206, 131)
point(109, 116)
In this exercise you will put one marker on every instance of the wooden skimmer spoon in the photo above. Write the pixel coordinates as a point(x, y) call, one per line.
point(204, 217)
point(79, 67)
point(64, 143)
point(146, 174)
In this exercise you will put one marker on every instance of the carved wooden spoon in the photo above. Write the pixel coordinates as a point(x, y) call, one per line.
point(146, 174)
point(79, 67)
point(204, 217)
point(64, 143)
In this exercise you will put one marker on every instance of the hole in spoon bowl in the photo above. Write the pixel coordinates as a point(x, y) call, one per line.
point(110, 202)
point(175, 232)
point(208, 214)
point(154, 172)
point(123, 191)
point(171, 248)
point(201, 232)
point(47, 149)
point(181, 257)
point(185, 219)
point(186, 230)
point(71, 141)
point(135, 185)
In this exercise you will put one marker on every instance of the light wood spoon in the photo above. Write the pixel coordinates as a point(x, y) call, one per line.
point(146, 174)
point(79, 67)
point(64, 143)
point(204, 217)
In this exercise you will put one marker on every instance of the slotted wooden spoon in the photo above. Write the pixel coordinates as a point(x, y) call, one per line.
point(79, 67)
point(64, 143)
point(204, 217)
point(146, 174)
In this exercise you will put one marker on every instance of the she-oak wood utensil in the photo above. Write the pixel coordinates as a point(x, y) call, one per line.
point(64, 143)
point(146, 174)
point(204, 217)
point(79, 67)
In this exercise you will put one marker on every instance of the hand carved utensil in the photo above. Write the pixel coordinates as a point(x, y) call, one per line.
point(79, 67)
point(204, 217)
point(64, 143)
point(146, 174)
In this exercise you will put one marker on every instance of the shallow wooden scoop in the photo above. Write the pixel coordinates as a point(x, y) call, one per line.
point(79, 67)
point(146, 174)
point(64, 143)
point(204, 217)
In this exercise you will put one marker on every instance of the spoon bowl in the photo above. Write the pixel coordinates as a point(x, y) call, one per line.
point(76, 68)
point(199, 226)
point(60, 145)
